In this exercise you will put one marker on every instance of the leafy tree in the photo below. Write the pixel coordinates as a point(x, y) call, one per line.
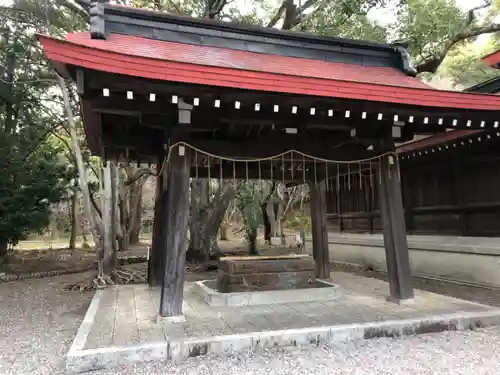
point(464, 66)
point(29, 185)
point(250, 197)
point(32, 174)
point(434, 28)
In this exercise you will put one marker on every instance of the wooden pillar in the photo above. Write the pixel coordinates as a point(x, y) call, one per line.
point(175, 221)
point(319, 229)
point(394, 230)
point(156, 264)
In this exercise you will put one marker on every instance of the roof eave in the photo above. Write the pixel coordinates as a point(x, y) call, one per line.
point(148, 21)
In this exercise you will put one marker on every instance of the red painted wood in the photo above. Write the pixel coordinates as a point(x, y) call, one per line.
point(435, 140)
point(147, 58)
point(493, 59)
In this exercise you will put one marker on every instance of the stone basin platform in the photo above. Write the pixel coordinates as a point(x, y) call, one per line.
point(257, 273)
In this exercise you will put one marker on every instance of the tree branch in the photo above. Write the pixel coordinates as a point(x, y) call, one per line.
point(213, 8)
point(145, 172)
point(471, 14)
point(274, 20)
point(94, 204)
point(65, 142)
point(432, 63)
point(80, 7)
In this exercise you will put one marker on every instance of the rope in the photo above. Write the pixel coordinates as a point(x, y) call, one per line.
point(268, 158)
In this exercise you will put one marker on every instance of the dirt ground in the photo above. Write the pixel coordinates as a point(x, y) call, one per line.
point(67, 260)
point(23, 260)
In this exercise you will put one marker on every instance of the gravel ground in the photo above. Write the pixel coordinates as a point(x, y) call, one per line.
point(39, 320)
point(470, 293)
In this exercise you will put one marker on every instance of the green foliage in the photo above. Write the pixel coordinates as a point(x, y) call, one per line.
point(347, 18)
point(28, 187)
point(299, 223)
point(464, 65)
point(34, 173)
point(250, 197)
point(428, 25)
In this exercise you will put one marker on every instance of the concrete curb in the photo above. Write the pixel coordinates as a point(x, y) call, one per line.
point(214, 298)
point(84, 330)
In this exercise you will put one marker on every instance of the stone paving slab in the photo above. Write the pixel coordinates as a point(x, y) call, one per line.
point(122, 325)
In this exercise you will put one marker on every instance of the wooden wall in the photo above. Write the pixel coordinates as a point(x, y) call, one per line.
point(445, 193)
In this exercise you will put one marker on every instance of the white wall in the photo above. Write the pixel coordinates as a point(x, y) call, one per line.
point(459, 258)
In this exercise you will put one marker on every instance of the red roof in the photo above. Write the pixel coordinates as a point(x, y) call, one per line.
point(435, 140)
point(493, 59)
point(177, 62)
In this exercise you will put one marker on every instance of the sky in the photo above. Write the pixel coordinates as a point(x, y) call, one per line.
point(384, 15)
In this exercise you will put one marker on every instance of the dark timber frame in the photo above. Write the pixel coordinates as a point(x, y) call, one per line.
point(138, 105)
point(393, 224)
point(319, 229)
point(449, 182)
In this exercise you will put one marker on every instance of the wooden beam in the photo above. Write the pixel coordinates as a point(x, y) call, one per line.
point(262, 147)
point(320, 230)
point(394, 230)
point(278, 143)
point(207, 115)
point(175, 221)
point(210, 93)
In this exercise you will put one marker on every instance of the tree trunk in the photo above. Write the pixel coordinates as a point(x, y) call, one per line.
point(282, 232)
point(105, 267)
point(271, 216)
point(3, 248)
point(124, 237)
point(266, 214)
point(252, 241)
point(223, 231)
point(206, 218)
point(82, 172)
point(136, 213)
point(74, 224)
point(302, 223)
point(109, 260)
point(280, 218)
point(267, 223)
point(85, 244)
point(135, 231)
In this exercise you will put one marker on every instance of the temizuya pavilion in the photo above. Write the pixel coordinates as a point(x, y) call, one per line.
point(150, 80)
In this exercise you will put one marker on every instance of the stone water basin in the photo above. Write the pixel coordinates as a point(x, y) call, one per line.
point(251, 280)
